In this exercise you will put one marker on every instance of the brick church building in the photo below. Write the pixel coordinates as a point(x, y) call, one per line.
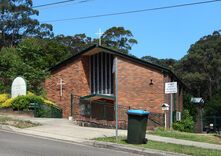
point(84, 86)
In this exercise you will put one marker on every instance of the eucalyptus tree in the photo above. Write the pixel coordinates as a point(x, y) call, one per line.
point(17, 22)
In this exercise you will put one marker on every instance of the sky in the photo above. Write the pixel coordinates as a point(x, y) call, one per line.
point(163, 33)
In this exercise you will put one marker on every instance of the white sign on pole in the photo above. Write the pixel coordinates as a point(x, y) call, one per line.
point(170, 87)
point(18, 87)
point(165, 107)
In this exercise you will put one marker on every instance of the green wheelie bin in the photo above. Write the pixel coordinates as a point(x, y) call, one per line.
point(137, 123)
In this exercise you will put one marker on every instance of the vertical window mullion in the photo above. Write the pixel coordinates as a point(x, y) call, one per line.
point(112, 75)
point(102, 90)
point(103, 67)
point(109, 70)
point(98, 84)
point(90, 72)
point(106, 73)
point(94, 80)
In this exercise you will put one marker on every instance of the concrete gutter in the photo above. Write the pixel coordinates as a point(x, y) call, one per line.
point(131, 149)
point(8, 128)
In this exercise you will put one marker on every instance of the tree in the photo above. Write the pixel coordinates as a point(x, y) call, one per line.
point(16, 22)
point(200, 69)
point(213, 107)
point(31, 59)
point(42, 53)
point(168, 63)
point(11, 65)
point(75, 43)
point(118, 38)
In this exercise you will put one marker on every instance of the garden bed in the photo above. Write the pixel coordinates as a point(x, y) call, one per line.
point(17, 123)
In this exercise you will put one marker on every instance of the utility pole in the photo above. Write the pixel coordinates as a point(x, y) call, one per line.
point(116, 95)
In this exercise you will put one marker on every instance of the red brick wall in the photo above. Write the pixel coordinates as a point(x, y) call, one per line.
point(134, 87)
point(75, 76)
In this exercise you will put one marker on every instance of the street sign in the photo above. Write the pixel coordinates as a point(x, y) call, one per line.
point(197, 100)
point(170, 87)
point(165, 107)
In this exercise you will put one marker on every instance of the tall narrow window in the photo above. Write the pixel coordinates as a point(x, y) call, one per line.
point(101, 73)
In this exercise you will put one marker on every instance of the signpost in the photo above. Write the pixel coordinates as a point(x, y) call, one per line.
point(165, 108)
point(171, 88)
point(115, 70)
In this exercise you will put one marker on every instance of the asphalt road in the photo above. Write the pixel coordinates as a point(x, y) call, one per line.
point(12, 144)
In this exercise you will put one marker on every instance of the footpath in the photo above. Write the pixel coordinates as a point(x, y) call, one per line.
point(65, 130)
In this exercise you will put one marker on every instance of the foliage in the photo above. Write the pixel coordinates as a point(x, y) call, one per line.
point(200, 68)
point(49, 103)
point(23, 102)
point(7, 103)
point(118, 38)
point(30, 93)
point(48, 111)
point(42, 53)
point(17, 22)
point(188, 105)
point(3, 98)
point(168, 63)
point(40, 106)
point(11, 65)
point(75, 43)
point(213, 107)
point(31, 60)
point(186, 124)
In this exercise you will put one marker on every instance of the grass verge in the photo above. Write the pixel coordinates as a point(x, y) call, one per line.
point(17, 123)
point(190, 150)
point(208, 138)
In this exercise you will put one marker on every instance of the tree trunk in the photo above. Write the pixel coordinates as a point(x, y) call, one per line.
point(210, 87)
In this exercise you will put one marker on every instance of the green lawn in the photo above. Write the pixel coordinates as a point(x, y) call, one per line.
point(208, 138)
point(16, 123)
point(190, 150)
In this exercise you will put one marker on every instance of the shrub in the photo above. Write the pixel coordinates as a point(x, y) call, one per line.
point(3, 98)
point(7, 103)
point(44, 107)
point(30, 93)
point(49, 103)
point(23, 102)
point(186, 124)
point(20, 103)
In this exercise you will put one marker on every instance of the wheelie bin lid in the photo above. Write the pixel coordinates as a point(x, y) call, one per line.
point(137, 112)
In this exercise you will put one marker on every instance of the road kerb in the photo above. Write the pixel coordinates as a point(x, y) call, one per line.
point(130, 149)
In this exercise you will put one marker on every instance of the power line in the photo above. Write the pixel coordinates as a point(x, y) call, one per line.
point(134, 11)
point(56, 3)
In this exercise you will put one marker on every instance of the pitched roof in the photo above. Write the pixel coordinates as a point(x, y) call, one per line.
point(117, 53)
